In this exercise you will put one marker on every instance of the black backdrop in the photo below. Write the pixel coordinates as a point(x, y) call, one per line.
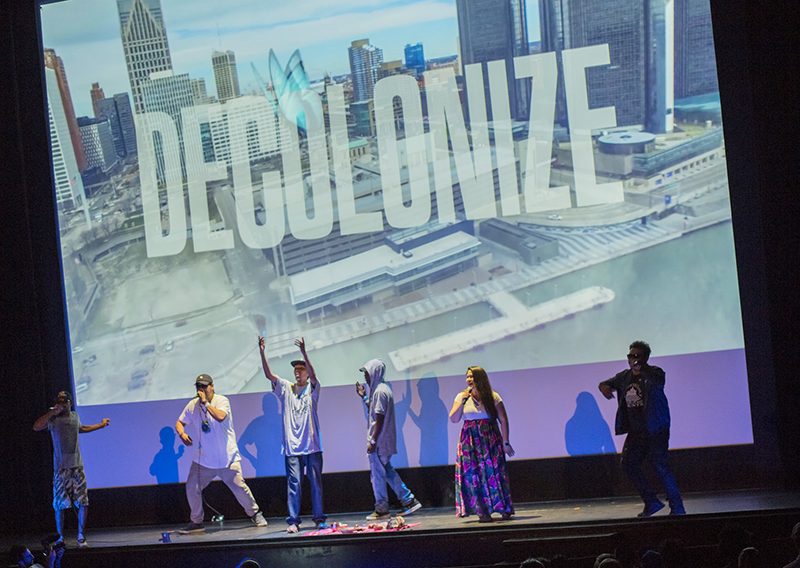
point(757, 58)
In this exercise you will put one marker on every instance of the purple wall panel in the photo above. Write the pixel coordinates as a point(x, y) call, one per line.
point(708, 396)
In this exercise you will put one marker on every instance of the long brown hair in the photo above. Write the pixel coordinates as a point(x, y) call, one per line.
point(481, 381)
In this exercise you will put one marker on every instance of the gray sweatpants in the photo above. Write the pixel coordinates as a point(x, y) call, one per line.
point(200, 476)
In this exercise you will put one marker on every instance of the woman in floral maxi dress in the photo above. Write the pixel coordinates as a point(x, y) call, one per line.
point(481, 482)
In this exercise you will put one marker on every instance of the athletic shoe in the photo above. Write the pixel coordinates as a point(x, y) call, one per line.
point(259, 520)
point(508, 515)
point(322, 525)
point(678, 510)
point(291, 529)
point(82, 543)
point(651, 509)
point(485, 519)
point(192, 528)
point(377, 515)
point(411, 507)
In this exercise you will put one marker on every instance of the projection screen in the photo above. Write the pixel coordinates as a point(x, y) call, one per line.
point(524, 186)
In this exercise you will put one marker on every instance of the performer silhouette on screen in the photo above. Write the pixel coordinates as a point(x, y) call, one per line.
point(69, 479)
point(643, 414)
point(302, 443)
point(217, 453)
point(382, 441)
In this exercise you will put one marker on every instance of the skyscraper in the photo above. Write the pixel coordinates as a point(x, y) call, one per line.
point(168, 93)
point(97, 95)
point(144, 41)
point(638, 81)
point(199, 94)
point(106, 109)
point(225, 75)
point(122, 102)
point(695, 61)
point(66, 177)
point(491, 30)
point(53, 61)
point(365, 61)
point(415, 57)
point(97, 142)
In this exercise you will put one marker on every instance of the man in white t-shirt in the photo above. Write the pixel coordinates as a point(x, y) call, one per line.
point(302, 441)
point(217, 453)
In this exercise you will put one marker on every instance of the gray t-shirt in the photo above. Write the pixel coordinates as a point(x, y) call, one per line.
point(301, 433)
point(64, 430)
point(382, 402)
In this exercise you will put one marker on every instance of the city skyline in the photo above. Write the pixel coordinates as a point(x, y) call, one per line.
point(194, 34)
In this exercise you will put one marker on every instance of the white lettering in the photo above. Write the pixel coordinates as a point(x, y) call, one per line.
point(301, 225)
point(539, 196)
point(241, 113)
point(445, 115)
point(147, 125)
point(419, 210)
point(503, 138)
point(582, 121)
point(350, 222)
point(198, 173)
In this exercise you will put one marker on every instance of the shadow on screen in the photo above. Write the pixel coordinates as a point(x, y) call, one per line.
point(402, 408)
point(588, 434)
point(264, 432)
point(432, 422)
point(165, 463)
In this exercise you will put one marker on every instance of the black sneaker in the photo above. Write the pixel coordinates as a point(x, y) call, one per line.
point(411, 507)
point(192, 528)
point(651, 509)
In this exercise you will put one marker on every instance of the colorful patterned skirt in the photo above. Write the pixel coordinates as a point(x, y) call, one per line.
point(481, 481)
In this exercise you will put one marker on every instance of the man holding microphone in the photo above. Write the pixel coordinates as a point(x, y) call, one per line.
point(69, 480)
point(217, 454)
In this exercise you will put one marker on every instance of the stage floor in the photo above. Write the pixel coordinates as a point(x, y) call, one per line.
point(541, 514)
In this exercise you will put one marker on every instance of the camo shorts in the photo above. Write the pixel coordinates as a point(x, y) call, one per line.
point(69, 487)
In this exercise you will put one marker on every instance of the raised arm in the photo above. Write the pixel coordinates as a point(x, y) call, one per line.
point(503, 417)
point(312, 376)
point(458, 406)
point(41, 422)
point(92, 427)
point(262, 345)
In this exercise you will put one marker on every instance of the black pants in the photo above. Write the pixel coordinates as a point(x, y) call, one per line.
point(639, 447)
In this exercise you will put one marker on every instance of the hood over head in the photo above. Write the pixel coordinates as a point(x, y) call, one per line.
point(377, 370)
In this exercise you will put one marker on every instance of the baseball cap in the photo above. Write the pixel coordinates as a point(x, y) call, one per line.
point(297, 362)
point(204, 380)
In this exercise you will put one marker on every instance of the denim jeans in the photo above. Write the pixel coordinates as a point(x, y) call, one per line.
point(654, 447)
point(381, 473)
point(312, 463)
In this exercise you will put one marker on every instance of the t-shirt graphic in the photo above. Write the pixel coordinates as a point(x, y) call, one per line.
point(633, 396)
point(635, 403)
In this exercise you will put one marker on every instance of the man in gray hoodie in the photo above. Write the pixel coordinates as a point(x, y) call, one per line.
point(382, 441)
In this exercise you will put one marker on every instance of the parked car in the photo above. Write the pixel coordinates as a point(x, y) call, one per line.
point(90, 360)
point(147, 350)
point(138, 379)
point(83, 384)
point(168, 346)
point(554, 217)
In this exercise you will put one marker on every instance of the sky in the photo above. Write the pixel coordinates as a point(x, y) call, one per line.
point(85, 34)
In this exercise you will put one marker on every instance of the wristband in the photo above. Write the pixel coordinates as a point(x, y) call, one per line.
point(506, 444)
point(365, 398)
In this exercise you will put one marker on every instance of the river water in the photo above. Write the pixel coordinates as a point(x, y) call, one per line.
point(681, 296)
